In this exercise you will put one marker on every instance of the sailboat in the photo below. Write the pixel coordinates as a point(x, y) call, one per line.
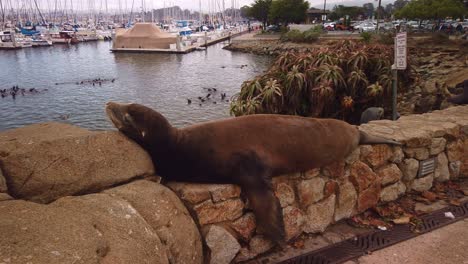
point(8, 40)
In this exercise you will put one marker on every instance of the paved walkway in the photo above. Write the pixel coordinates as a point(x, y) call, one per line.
point(447, 245)
point(254, 36)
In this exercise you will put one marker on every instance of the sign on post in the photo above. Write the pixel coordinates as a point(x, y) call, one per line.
point(400, 64)
point(400, 51)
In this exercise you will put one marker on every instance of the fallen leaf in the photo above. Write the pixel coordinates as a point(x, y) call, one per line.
point(402, 220)
point(455, 202)
point(422, 200)
point(298, 244)
point(429, 195)
point(377, 222)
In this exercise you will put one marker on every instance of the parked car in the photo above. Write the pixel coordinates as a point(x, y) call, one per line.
point(386, 27)
point(340, 25)
point(329, 25)
point(413, 24)
point(365, 27)
point(273, 28)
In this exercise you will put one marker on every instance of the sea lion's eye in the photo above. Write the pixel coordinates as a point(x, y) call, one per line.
point(128, 118)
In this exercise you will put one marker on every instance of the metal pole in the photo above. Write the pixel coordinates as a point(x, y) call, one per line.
point(378, 15)
point(324, 11)
point(394, 91)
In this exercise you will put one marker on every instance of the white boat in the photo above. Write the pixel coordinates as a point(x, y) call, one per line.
point(85, 35)
point(64, 37)
point(23, 41)
point(104, 34)
point(41, 42)
point(8, 40)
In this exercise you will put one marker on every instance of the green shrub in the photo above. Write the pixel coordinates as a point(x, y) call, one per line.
point(386, 38)
point(293, 36)
point(297, 36)
point(311, 36)
point(440, 37)
point(366, 37)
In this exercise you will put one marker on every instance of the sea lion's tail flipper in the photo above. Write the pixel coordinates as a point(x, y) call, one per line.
point(365, 139)
point(255, 181)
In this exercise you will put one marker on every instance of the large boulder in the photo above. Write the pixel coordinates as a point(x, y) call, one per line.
point(87, 229)
point(168, 217)
point(44, 162)
point(117, 226)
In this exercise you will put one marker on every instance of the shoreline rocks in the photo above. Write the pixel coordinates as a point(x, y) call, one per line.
point(44, 162)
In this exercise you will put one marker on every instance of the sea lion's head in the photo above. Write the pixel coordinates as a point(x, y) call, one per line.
point(140, 123)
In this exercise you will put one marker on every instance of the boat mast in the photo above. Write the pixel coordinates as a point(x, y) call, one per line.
point(3, 14)
point(40, 14)
point(143, 10)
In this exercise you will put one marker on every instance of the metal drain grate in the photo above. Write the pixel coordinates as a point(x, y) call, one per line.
point(363, 244)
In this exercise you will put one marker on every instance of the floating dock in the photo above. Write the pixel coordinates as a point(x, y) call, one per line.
point(181, 46)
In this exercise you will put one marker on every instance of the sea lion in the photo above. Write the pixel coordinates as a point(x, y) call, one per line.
point(462, 98)
point(371, 113)
point(247, 151)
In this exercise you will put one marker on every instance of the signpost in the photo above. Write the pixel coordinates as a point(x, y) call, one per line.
point(400, 64)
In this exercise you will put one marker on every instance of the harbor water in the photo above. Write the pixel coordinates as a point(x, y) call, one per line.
point(163, 82)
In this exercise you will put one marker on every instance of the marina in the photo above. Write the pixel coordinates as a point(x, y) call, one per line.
point(162, 81)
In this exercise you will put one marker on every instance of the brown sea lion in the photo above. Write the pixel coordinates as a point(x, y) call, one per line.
point(247, 151)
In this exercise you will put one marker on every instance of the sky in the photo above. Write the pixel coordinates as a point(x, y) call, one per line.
point(185, 4)
point(193, 4)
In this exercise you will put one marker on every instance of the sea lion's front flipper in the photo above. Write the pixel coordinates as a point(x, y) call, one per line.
point(254, 177)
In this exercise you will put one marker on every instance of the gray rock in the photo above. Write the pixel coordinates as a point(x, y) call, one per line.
point(392, 192)
point(353, 157)
point(428, 208)
point(437, 146)
point(417, 153)
point(293, 221)
point(320, 215)
point(223, 246)
point(398, 155)
point(410, 168)
point(258, 245)
point(346, 201)
point(310, 191)
point(285, 194)
point(389, 174)
point(423, 184)
point(454, 168)
point(442, 169)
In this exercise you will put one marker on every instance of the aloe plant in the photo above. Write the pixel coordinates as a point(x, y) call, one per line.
point(339, 80)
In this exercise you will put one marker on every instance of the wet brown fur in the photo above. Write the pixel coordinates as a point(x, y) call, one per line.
point(247, 151)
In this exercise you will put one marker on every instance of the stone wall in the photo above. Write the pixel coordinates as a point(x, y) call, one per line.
point(315, 199)
point(71, 195)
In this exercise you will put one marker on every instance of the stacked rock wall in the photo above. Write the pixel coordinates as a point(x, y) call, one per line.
point(313, 200)
point(92, 196)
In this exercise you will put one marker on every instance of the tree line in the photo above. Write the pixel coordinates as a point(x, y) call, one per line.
point(295, 11)
point(277, 11)
point(414, 9)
